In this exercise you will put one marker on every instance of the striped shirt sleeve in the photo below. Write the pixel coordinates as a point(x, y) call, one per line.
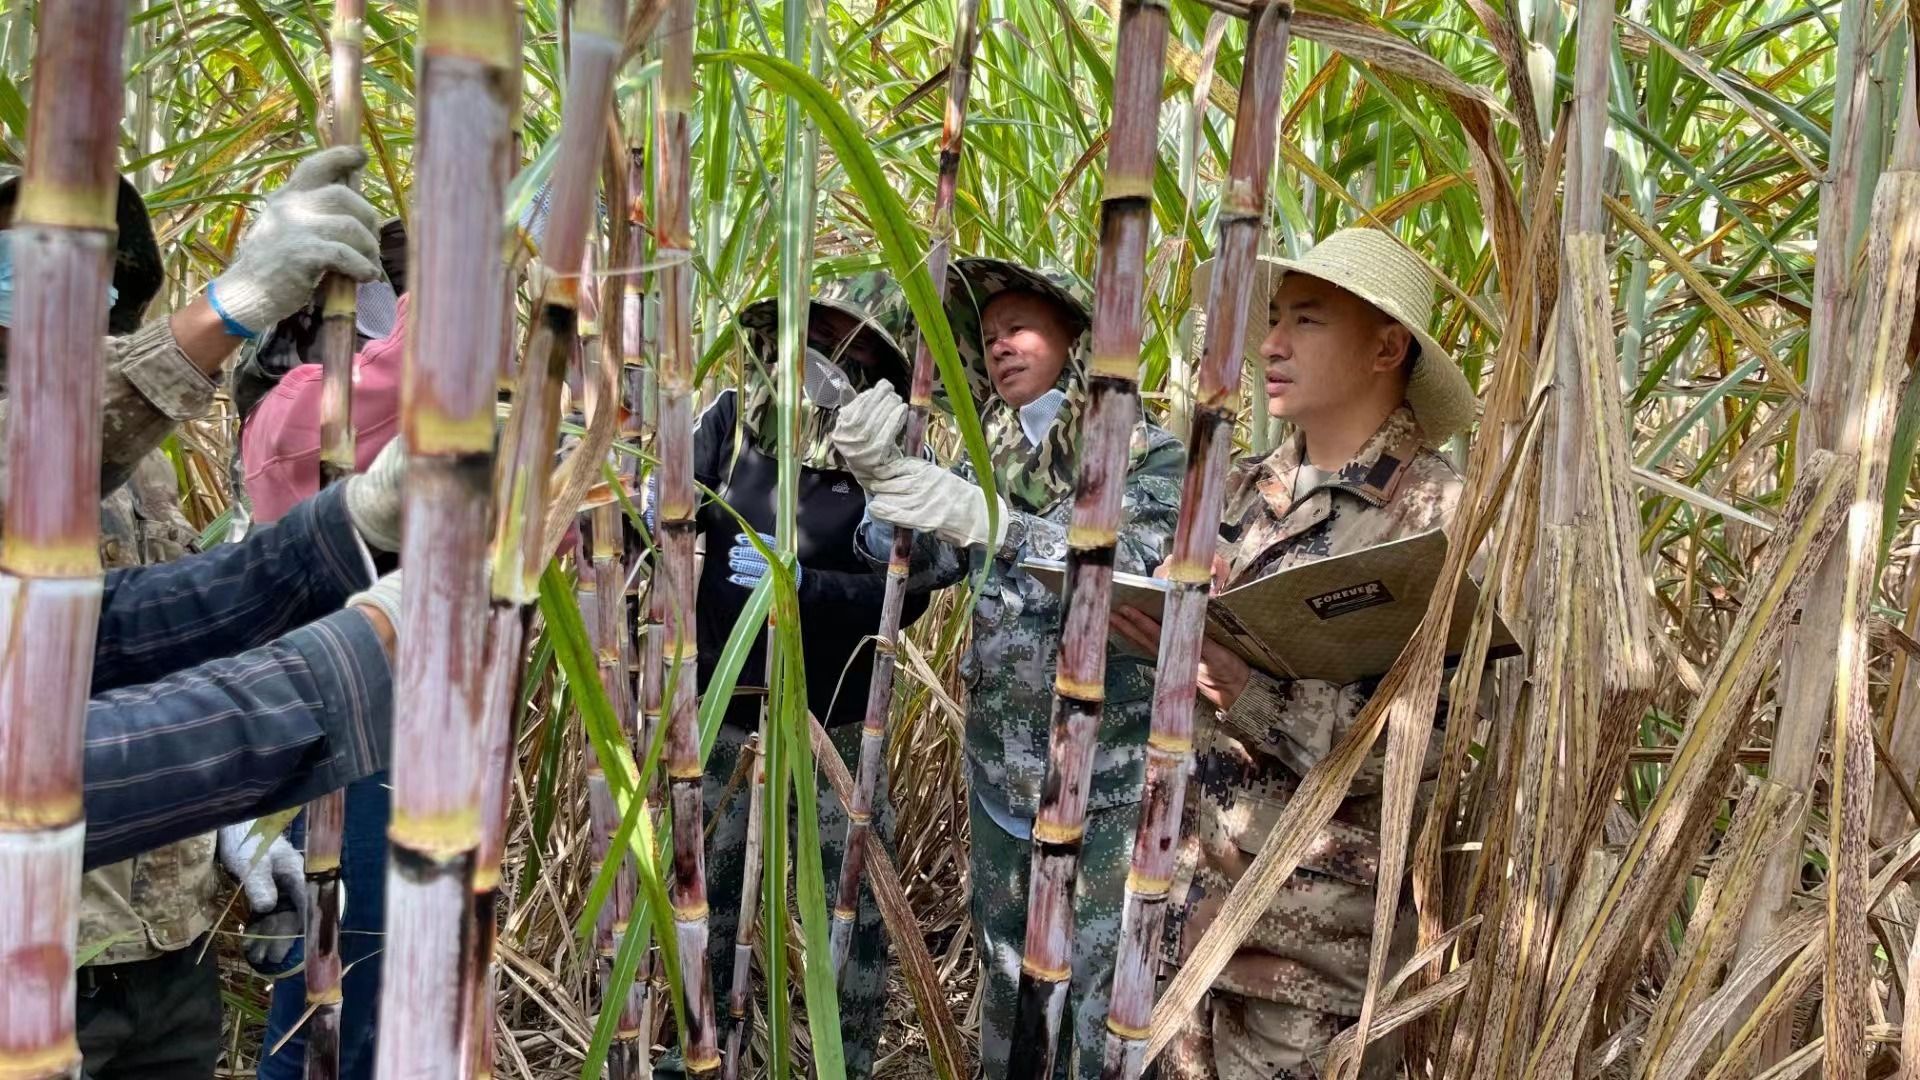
point(235, 738)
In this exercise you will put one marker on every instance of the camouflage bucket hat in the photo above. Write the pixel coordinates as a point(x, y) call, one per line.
point(137, 271)
point(973, 283)
point(869, 307)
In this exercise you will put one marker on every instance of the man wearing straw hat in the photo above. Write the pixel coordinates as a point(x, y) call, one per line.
point(1369, 393)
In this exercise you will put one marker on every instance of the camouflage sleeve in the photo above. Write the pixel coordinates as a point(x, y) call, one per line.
point(1297, 721)
point(1149, 510)
point(151, 386)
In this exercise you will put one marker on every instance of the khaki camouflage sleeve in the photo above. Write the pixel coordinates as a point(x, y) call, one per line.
point(1151, 502)
point(1149, 508)
point(1297, 721)
point(151, 386)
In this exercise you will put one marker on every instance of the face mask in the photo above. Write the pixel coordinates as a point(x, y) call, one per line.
point(825, 384)
point(6, 280)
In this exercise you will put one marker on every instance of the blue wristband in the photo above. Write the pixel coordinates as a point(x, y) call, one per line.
point(233, 326)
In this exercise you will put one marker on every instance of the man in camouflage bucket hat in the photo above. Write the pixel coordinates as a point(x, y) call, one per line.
point(1369, 392)
point(1023, 335)
point(854, 329)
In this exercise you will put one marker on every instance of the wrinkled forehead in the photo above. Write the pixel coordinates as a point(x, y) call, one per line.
point(1011, 304)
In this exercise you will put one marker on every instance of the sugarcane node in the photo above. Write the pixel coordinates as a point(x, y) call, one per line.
point(1127, 1031)
point(329, 996)
point(1166, 742)
point(1090, 694)
point(342, 298)
point(1188, 574)
point(1117, 367)
point(1092, 544)
point(432, 433)
point(690, 913)
point(841, 914)
point(1045, 974)
point(44, 564)
point(1148, 888)
point(46, 205)
point(60, 1059)
point(442, 839)
point(486, 878)
point(32, 818)
point(470, 33)
point(1057, 834)
point(704, 1063)
point(860, 818)
point(323, 867)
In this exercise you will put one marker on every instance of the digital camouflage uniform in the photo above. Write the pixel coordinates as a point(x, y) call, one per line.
point(1009, 673)
point(1298, 978)
point(863, 981)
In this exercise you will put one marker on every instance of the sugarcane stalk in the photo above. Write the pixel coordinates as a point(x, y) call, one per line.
point(1241, 221)
point(674, 579)
point(747, 923)
point(337, 314)
point(636, 427)
point(468, 78)
point(1880, 344)
point(505, 671)
point(1807, 663)
point(1113, 408)
point(50, 580)
point(873, 729)
point(521, 550)
point(326, 816)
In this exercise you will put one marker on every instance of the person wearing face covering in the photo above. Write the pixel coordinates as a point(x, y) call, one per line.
point(855, 327)
point(1024, 336)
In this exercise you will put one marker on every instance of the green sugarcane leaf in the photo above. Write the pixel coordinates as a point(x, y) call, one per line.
point(626, 964)
point(896, 234)
point(290, 67)
point(577, 662)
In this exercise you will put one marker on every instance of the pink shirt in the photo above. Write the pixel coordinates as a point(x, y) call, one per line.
point(280, 445)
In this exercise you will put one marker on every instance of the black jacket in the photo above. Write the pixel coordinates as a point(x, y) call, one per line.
point(840, 592)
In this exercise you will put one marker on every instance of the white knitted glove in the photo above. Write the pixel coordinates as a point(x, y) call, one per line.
point(314, 224)
point(867, 432)
point(272, 877)
point(919, 495)
point(373, 497)
point(383, 594)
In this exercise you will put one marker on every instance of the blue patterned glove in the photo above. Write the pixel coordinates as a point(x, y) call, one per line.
point(748, 565)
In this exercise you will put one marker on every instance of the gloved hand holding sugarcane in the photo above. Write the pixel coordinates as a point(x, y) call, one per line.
point(313, 225)
point(909, 493)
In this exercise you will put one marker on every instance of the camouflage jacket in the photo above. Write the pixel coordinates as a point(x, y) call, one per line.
point(163, 899)
point(150, 387)
point(1009, 664)
point(1310, 949)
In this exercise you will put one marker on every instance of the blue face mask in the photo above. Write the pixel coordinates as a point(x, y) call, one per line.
point(6, 280)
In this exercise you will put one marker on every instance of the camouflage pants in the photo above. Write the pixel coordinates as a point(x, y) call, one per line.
point(1231, 1037)
point(863, 983)
point(999, 869)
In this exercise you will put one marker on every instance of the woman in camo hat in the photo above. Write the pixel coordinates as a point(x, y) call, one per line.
point(1024, 335)
point(855, 328)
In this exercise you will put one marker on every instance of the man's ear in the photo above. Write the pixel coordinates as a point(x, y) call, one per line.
point(1394, 341)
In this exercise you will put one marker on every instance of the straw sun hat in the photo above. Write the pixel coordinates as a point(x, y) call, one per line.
point(1375, 267)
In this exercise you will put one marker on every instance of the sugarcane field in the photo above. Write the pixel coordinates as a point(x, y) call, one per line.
point(1017, 539)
